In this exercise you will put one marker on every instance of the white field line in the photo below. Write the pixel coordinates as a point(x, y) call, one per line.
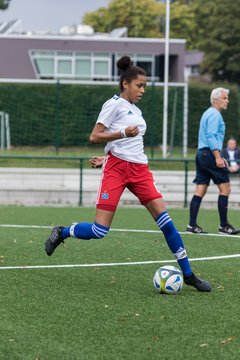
point(115, 264)
point(112, 264)
point(116, 230)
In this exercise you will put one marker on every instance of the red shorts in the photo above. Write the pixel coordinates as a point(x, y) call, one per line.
point(119, 174)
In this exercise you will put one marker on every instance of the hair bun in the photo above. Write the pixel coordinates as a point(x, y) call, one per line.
point(124, 63)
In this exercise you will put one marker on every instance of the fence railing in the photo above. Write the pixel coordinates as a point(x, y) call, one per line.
point(66, 162)
point(70, 180)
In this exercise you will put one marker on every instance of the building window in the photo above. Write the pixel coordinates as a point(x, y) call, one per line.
point(83, 69)
point(83, 66)
point(145, 61)
point(43, 62)
point(195, 70)
point(45, 67)
point(73, 65)
point(101, 65)
point(64, 67)
point(100, 68)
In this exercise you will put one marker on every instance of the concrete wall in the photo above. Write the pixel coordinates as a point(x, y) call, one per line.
point(60, 187)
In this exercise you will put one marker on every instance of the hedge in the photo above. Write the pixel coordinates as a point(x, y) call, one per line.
point(63, 115)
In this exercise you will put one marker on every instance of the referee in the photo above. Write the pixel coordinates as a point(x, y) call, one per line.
point(210, 165)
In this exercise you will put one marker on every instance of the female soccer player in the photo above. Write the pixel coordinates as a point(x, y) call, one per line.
point(121, 126)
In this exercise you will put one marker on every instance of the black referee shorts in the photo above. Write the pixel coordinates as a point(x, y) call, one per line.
point(207, 170)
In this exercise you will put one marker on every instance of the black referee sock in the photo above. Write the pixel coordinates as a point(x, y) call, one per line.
point(223, 209)
point(194, 208)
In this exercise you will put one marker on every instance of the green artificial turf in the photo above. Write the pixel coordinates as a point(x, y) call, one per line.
point(109, 309)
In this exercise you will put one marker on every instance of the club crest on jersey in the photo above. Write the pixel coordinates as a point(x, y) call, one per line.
point(105, 196)
point(130, 113)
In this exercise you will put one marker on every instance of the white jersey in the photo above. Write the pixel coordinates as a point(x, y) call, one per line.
point(117, 114)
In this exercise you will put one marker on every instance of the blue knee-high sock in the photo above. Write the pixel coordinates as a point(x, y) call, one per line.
point(85, 231)
point(174, 241)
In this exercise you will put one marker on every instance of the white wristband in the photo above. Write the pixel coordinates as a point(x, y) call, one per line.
point(123, 133)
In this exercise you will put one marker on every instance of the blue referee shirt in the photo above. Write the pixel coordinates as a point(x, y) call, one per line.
point(211, 130)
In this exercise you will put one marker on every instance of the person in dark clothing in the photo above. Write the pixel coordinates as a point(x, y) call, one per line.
point(232, 154)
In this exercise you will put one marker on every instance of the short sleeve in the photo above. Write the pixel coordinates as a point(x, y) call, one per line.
point(108, 113)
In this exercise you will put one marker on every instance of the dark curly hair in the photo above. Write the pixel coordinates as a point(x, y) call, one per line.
point(128, 71)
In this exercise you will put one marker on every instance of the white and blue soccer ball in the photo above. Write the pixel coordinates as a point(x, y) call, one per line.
point(168, 279)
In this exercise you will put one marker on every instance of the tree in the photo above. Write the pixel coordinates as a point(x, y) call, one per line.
point(4, 4)
point(210, 26)
point(142, 17)
point(219, 38)
point(182, 23)
point(146, 18)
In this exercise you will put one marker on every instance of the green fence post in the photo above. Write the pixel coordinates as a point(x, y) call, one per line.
point(186, 184)
point(81, 182)
point(57, 118)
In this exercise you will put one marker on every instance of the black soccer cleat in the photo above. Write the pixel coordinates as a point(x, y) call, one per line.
point(228, 229)
point(195, 230)
point(54, 240)
point(199, 284)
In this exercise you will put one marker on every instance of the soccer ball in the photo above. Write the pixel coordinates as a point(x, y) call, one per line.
point(168, 280)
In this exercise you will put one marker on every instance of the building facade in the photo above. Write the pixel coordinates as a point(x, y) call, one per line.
point(86, 57)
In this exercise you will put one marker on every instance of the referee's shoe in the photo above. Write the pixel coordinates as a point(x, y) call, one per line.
point(54, 240)
point(195, 230)
point(228, 229)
